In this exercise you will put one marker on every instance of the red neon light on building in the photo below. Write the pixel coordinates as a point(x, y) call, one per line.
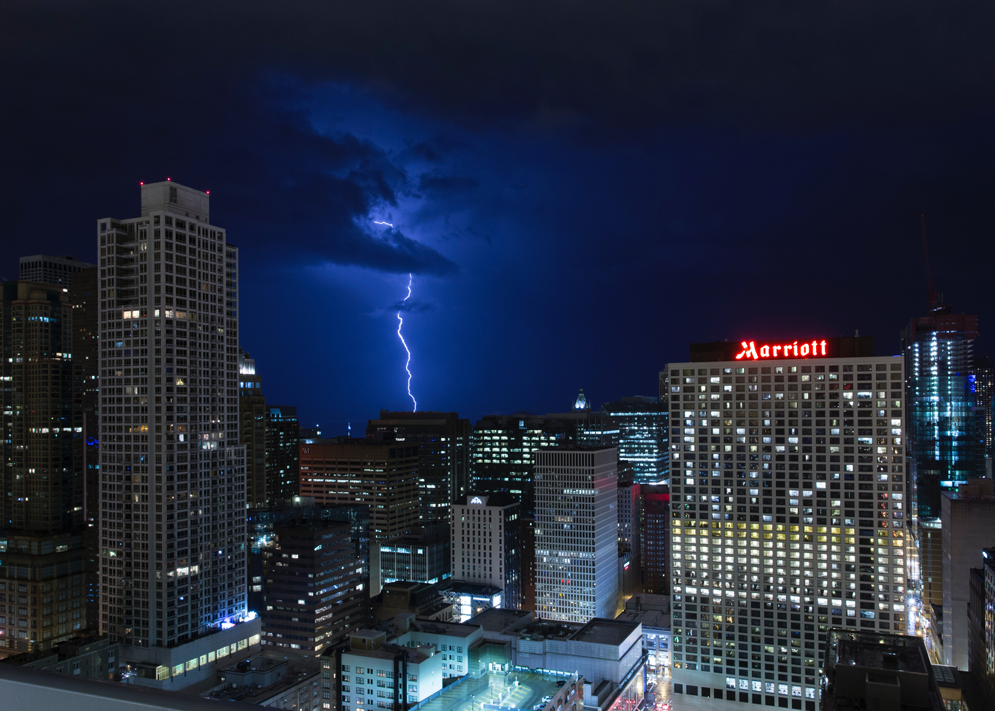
point(815, 349)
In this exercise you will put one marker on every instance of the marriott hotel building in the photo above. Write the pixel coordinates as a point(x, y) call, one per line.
point(788, 513)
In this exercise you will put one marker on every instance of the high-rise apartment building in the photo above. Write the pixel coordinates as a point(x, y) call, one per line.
point(486, 547)
point(252, 429)
point(576, 534)
point(283, 454)
point(42, 476)
point(41, 502)
point(643, 449)
point(443, 441)
point(380, 475)
point(172, 522)
point(44, 269)
point(946, 437)
point(788, 512)
point(313, 587)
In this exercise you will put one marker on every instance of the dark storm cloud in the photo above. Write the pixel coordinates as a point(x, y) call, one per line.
point(446, 184)
point(553, 64)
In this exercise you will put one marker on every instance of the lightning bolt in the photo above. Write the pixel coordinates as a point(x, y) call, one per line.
point(375, 222)
point(400, 322)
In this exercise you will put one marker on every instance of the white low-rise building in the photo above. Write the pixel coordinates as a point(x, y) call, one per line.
point(403, 662)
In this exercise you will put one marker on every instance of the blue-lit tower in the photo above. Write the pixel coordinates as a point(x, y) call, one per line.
point(945, 424)
point(642, 439)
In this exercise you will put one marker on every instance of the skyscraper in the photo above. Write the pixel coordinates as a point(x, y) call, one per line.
point(283, 454)
point(421, 556)
point(44, 269)
point(984, 386)
point(643, 452)
point(486, 549)
point(504, 446)
point(172, 474)
point(576, 534)
point(656, 539)
point(313, 587)
point(788, 512)
point(946, 438)
point(42, 476)
point(380, 475)
point(443, 441)
point(503, 451)
point(252, 429)
point(41, 508)
point(84, 293)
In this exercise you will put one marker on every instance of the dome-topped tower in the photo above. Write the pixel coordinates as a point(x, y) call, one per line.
point(581, 402)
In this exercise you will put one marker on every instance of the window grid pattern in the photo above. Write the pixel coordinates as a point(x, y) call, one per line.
point(788, 518)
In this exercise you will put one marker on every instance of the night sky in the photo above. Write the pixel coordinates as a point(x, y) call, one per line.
point(579, 189)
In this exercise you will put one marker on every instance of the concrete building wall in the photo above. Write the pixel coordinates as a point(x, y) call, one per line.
point(968, 528)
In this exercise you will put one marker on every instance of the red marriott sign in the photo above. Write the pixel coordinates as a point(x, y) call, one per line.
point(769, 351)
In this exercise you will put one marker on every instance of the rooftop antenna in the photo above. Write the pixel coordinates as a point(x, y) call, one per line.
point(931, 292)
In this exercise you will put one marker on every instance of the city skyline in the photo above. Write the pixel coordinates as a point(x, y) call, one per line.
point(523, 202)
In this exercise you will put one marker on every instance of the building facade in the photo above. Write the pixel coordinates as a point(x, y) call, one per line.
point(314, 588)
point(421, 556)
point(172, 474)
point(504, 447)
point(252, 429)
point(45, 269)
point(788, 511)
point(968, 516)
point(981, 616)
point(283, 455)
point(399, 664)
point(576, 534)
point(380, 475)
point(486, 547)
point(946, 426)
point(643, 439)
point(656, 539)
point(443, 442)
point(84, 293)
point(42, 556)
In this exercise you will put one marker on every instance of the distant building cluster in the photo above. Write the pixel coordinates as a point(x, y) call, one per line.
point(801, 524)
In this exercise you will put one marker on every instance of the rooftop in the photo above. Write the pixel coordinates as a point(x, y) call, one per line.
point(50, 690)
point(497, 690)
point(890, 654)
point(298, 668)
point(603, 631)
point(416, 655)
point(544, 629)
point(646, 618)
point(497, 619)
point(457, 586)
